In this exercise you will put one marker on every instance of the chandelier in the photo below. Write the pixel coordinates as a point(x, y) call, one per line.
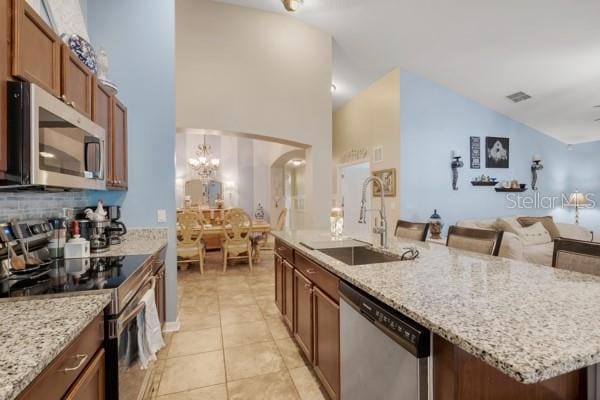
point(292, 5)
point(205, 164)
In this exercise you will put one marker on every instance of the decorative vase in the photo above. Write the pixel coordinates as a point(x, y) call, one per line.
point(435, 225)
point(259, 214)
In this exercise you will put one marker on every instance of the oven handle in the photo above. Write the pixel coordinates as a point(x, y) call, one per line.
point(131, 294)
point(124, 320)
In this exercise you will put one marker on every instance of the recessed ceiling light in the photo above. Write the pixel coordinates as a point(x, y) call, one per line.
point(333, 87)
point(292, 5)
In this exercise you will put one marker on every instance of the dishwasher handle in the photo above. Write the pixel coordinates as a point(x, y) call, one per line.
point(408, 333)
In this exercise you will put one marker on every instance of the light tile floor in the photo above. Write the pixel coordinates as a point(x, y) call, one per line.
point(232, 343)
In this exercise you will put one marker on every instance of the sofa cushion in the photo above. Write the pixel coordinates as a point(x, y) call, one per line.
point(534, 234)
point(508, 224)
point(547, 221)
point(539, 253)
point(577, 232)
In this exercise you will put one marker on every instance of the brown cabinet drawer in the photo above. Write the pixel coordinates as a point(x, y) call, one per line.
point(325, 280)
point(57, 378)
point(284, 250)
point(90, 385)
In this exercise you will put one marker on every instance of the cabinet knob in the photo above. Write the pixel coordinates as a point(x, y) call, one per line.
point(64, 98)
point(307, 285)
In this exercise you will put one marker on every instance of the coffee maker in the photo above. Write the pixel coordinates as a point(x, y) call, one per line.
point(116, 228)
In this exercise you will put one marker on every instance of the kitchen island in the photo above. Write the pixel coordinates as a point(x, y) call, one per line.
point(34, 331)
point(528, 322)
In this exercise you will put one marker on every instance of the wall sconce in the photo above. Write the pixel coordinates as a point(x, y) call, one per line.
point(456, 164)
point(535, 167)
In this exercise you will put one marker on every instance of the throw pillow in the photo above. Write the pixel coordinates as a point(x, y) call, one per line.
point(534, 234)
point(547, 221)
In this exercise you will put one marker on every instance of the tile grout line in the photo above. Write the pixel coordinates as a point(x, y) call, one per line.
point(287, 369)
point(222, 342)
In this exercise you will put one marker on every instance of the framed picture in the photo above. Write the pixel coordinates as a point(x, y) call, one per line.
point(475, 147)
point(388, 177)
point(497, 152)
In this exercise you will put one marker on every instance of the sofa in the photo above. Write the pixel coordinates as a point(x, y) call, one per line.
point(516, 246)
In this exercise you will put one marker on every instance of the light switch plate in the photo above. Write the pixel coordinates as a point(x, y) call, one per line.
point(161, 216)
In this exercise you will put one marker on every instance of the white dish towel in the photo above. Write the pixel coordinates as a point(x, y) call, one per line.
point(150, 339)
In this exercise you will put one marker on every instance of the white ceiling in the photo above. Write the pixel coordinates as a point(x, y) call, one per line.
point(483, 49)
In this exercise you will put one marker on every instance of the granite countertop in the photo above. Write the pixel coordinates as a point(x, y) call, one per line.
point(34, 331)
point(532, 322)
point(138, 241)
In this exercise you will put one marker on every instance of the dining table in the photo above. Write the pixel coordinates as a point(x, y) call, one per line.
point(213, 234)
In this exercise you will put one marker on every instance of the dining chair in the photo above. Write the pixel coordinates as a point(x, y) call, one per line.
point(482, 241)
point(577, 255)
point(189, 238)
point(411, 230)
point(281, 220)
point(237, 229)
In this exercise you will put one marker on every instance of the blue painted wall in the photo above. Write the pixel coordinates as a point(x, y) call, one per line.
point(436, 120)
point(140, 41)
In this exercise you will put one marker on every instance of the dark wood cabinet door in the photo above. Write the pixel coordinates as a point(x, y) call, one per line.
point(5, 74)
point(90, 384)
point(76, 82)
point(288, 295)
point(326, 360)
point(36, 49)
point(279, 283)
point(303, 322)
point(102, 115)
point(119, 145)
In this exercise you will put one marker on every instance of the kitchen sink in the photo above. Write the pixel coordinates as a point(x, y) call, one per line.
point(360, 255)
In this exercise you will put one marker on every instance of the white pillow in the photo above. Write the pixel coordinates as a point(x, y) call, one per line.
point(534, 234)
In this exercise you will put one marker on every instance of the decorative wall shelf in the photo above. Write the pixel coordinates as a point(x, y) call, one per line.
point(512, 190)
point(475, 183)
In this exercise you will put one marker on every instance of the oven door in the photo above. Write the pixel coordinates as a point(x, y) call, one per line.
point(128, 381)
point(67, 149)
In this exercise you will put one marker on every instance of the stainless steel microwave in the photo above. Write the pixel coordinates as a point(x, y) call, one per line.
point(50, 144)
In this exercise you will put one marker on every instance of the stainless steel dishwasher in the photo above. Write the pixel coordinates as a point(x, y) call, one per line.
point(384, 354)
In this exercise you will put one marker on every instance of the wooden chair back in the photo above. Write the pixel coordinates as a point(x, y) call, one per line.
point(411, 230)
point(237, 226)
point(482, 241)
point(191, 228)
point(281, 220)
point(577, 255)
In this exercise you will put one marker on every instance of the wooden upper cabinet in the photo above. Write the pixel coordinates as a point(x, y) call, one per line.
point(119, 145)
point(76, 82)
point(102, 115)
point(5, 74)
point(36, 49)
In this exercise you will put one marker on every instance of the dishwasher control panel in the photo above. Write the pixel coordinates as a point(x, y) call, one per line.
point(406, 332)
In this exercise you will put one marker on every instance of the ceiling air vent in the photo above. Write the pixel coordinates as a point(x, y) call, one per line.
point(519, 96)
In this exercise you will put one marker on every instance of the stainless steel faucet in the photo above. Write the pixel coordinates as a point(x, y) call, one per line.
point(382, 229)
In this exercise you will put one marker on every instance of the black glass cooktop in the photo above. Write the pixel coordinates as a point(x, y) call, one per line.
point(73, 275)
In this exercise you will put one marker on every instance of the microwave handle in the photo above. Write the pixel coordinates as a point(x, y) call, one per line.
point(99, 154)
